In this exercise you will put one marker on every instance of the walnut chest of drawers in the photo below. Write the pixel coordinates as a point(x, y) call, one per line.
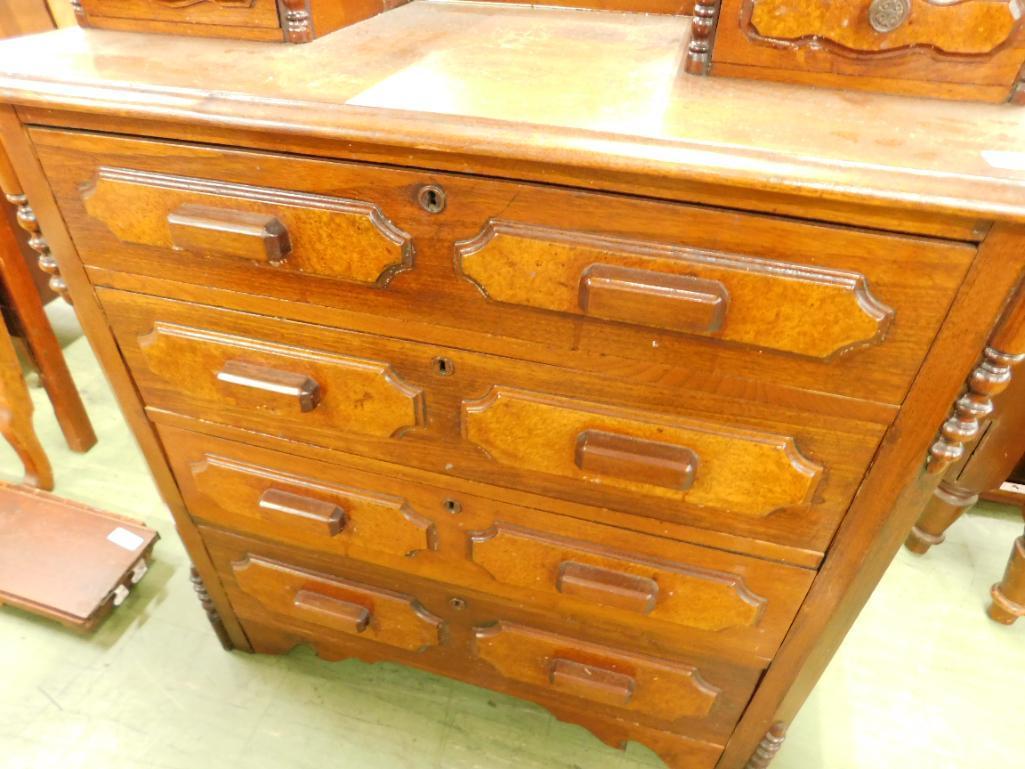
point(525, 358)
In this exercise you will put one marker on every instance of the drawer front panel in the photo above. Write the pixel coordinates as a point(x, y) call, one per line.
point(234, 13)
point(584, 439)
point(287, 384)
point(684, 594)
point(291, 231)
point(627, 288)
point(505, 646)
point(339, 606)
point(766, 304)
point(608, 579)
point(667, 691)
point(709, 465)
point(967, 28)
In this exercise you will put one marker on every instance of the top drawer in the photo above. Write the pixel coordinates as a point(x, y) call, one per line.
point(583, 278)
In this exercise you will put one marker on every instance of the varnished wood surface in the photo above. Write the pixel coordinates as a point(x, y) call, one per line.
point(509, 260)
point(706, 601)
point(57, 557)
point(630, 109)
point(16, 417)
point(718, 690)
point(969, 50)
point(399, 375)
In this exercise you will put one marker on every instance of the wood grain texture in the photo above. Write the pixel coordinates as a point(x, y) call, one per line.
point(146, 209)
point(744, 472)
point(766, 304)
point(44, 349)
point(364, 395)
point(347, 607)
point(683, 594)
point(710, 602)
point(248, 497)
point(455, 655)
point(594, 673)
point(25, 163)
point(439, 443)
point(889, 502)
point(16, 417)
point(659, 131)
point(968, 28)
point(434, 295)
point(965, 50)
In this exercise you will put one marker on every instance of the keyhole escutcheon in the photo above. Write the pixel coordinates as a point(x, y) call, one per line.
point(432, 198)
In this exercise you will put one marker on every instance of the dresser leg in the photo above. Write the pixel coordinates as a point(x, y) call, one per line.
point(211, 611)
point(945, 506)
point(768, 747)
point(1009, 594)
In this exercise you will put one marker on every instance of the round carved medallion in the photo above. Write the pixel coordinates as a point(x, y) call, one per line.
point(887, 15)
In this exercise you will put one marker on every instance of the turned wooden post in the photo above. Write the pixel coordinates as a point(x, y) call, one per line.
point(1009, 594)
point(984, 438)
point(27, 219)
point(211, 611)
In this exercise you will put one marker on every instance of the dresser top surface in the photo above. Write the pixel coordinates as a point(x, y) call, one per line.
point(582, 90)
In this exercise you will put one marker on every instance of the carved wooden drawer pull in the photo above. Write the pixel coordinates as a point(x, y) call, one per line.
point(648, 298)
point(607, 587)
point(314, 514)
point(334, 612)
point(222, 231)
point(636, 459)
point(591, 683)
point(263, 379)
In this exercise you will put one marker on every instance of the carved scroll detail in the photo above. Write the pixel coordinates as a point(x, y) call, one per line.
point(211, 611)
point(28, 221)
point(768, 747)
point(702, 30)
point(990, 378)
point(298, 22)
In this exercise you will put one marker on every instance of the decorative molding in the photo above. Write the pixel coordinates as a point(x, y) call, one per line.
point(366, 396)
point(748, 473)
point(135, 205)
point(297, 21)
point(990, 378)
point(768, 747)
point(211, 611)
point(692, 596)
point(47, 263)
point(833, 311)
point(971, 29)
point(702, 36)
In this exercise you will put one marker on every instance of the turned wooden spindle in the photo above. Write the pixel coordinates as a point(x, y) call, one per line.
point(997, 424)
point(27, 220)
point(699, 49)
point(768, 747)
point(211, 611)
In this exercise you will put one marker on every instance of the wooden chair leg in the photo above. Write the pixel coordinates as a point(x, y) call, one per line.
point(1009, 594)
point(42, 344)
point(16, 417)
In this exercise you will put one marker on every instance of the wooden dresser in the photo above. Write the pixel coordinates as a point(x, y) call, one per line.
point(486, 340)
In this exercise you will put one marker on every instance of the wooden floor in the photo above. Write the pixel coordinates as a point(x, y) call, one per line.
point(923, 680)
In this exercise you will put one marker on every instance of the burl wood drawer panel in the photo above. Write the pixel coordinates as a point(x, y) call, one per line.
point(980, 43)
point(585, 279)
point(488, 642)
point(771, 472)
point(611, 580)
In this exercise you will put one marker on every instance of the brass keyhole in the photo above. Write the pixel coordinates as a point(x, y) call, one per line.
point(453, 506)
point(432, 198)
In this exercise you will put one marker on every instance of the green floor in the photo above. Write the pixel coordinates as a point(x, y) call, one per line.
point(924, 680)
